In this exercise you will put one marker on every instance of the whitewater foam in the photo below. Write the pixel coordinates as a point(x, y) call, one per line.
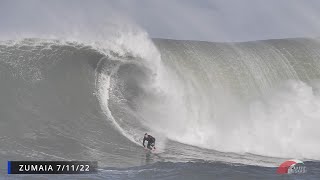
point(217, 100)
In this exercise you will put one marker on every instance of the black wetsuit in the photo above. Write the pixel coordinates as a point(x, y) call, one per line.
point(151, 142)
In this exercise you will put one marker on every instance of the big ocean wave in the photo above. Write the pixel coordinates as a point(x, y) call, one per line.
point(249, 102)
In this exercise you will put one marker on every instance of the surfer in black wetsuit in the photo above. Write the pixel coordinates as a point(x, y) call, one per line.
point(151, 141)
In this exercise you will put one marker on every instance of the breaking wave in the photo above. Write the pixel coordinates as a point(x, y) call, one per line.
point(71, 99)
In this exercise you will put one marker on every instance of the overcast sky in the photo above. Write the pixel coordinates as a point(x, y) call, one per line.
point(209, 20)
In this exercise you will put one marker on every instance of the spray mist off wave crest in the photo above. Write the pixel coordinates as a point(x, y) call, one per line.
point(254, 97)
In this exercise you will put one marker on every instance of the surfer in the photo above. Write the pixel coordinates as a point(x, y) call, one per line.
point(151, 141)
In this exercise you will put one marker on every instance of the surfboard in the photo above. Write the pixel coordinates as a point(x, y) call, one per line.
point(148, 150)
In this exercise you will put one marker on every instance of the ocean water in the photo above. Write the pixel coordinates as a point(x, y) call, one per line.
point(217, 110)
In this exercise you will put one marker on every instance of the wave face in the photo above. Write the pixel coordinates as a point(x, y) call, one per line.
point(49, 109)
point(251, 103)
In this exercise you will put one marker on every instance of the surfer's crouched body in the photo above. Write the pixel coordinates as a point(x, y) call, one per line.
point(151, 141)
